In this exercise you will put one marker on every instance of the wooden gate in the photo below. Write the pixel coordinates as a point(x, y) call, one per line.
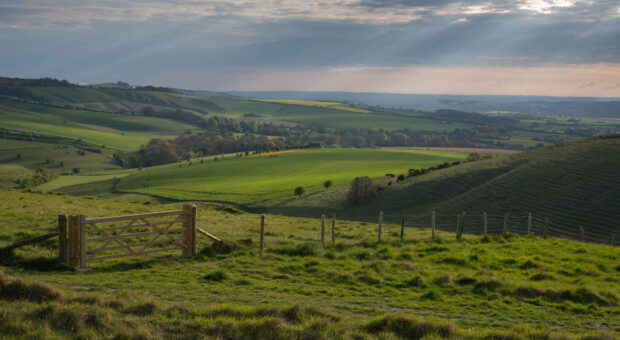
point(130, 235)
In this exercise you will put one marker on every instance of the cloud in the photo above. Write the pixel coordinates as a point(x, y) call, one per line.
point(89, 39)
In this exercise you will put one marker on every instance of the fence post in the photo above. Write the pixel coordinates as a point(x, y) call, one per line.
point(82, 226)
point(402, 227)
point(433, 223)
point(262, 232)
point(529, 222)
point(380, 222)
point(193, 230)
point(333, 229)
point(581, 234)
point(458, 221)
point(461, 225)
point(505, 223)
point(484, 223)
point(323, 230)
point(62, 238)
point(546, 230)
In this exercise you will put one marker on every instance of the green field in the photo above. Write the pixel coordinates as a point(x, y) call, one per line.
point(574, 184)
point(115, 131)
point(503, 287)
point(250, 179)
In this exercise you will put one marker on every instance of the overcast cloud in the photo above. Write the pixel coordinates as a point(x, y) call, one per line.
point(171, 42)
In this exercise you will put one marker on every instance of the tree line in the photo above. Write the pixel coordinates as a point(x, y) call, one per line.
point(226, 135)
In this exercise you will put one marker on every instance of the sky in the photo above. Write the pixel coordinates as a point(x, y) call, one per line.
point(520, 47)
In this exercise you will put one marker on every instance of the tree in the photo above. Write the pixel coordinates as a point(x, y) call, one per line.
point(361, 188)
point(299, 191)
point(327, 184)
point(76, 170)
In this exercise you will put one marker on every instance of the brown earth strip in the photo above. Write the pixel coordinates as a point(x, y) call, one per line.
point(468, 150)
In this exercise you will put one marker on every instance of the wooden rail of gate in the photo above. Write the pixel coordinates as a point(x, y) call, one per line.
point(88, 240)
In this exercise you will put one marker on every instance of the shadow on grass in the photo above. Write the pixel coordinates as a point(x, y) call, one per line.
point(40, 264)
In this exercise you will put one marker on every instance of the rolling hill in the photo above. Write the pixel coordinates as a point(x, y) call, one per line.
point(574, 184)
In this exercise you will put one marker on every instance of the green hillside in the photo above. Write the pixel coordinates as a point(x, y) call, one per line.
point(274, 175)
point(574, 184)
point(504, 287)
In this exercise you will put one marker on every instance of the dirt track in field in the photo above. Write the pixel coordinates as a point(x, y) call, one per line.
point(468, 150)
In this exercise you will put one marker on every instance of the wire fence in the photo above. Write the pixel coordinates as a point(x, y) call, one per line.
point(486, 224)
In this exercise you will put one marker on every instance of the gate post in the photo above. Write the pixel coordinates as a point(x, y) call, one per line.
point(62, 238)
point(189, 230)
point(73, 240)
point(194, 225)
point(82, 244)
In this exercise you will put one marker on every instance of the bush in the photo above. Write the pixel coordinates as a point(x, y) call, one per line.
point(327, 184)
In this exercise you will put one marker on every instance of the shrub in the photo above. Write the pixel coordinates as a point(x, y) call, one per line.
point(327, 184)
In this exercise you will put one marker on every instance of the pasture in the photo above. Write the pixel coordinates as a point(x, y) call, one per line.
point(116, 131)
point(474, 288)
point(267, 176)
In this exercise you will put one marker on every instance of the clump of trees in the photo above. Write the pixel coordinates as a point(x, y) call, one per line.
point(41, 176)
point(361, 189)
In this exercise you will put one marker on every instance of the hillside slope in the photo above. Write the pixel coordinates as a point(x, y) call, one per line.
point(574, 184)
point(502, 287)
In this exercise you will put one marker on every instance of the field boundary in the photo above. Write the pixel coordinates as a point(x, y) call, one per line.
point(468, 150)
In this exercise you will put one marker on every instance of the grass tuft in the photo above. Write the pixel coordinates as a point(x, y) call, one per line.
point(20, 290)
point(408, 327)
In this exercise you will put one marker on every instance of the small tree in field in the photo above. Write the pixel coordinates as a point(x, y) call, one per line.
point(299, 191)
point(327, 184)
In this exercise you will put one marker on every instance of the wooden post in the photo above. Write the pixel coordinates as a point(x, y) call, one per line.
point(323, 230)
point(82, 226)
point(485, 219)
point(62, 238)
point(334, 229)
point(262, 232)
point(461, 225)
point(458, 224)
point(187, 230)
point(72, 241)
point(433, 223)
point(581, 234)
point(505, 223)
point(546, 230)
point(402, 227)
point(529, 223)
point(194, 226)
point(380, 222)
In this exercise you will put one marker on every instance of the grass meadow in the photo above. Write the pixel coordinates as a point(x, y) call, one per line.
point(501, 287)
point(276, 174)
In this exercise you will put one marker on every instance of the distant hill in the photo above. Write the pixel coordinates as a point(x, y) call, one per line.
point(543, 105)
point(574, 184)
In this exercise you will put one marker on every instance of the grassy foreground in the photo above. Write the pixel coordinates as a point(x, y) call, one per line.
point(505, 287)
